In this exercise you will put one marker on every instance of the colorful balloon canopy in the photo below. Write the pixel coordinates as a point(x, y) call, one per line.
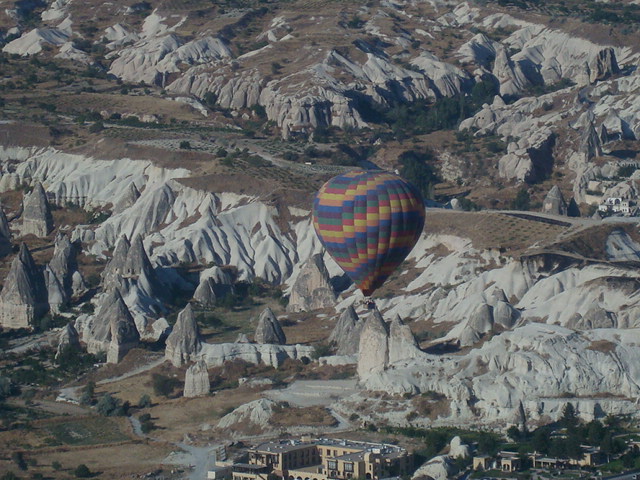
point(368, 222)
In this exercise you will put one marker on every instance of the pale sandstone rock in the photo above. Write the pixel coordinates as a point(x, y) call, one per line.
point(196, 381)
point(258, 413)
point(124, 337)
point(554, 202)
point(127, 200)
point(438, 468)
point(402, 343)
point(23, 299)
point(457, 449)
point(205, 294)
point(68, 338)
point(184, 342)
point(36, 214)
point(113, 317)
point(346, 334)
point(269, 330)
point(373, 348)
point(312, 289)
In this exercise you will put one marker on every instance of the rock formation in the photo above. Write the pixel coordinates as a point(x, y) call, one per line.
point(23, 299)
point(402, 343)
point(215, 283)
point(115, 266)
point(5, 234)
point(269, 330)
point(124, 337)
point(554, 202)
point(346, 333)
point(594, 317)
point(137, 261)
point(373, 348)
point(184, 342)
point(205, 294)
point(242, 338)
point(68, 338)
point(62, 276)
point(441, 467)
point(590, 143)
point(196, 380)
point(457, 449)
point(256, 413)
point(125, 201)
point(36, 214)
point(603, 65)
point(509, 74)
point(112, 324)
point(312, 289)
point(57, 297)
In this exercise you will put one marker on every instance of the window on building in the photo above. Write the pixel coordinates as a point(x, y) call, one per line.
point(332, 465)
point(348, 467)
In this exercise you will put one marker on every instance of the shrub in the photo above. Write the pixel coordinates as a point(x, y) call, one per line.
point(112, 407)
point(96, 127)
point(163, 385)
point(185, 145)
point(82, 471)
point(522, 200)
point(414, 167)
point(145, 401)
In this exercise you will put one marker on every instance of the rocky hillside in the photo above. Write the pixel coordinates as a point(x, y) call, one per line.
point(158, 160)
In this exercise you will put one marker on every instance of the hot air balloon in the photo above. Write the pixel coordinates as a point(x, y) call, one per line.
point(368, 221)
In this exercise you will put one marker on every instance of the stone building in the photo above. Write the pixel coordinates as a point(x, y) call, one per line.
point(325, 458)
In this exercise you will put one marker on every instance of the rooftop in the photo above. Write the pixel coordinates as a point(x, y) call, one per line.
point(283, 446)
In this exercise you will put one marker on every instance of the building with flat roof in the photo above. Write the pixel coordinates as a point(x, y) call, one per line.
point(327, 458)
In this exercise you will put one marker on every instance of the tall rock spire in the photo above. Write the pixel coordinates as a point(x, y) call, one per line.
point(23, 299)
point(36, 214)
point(346, 333)
point(269, 330)
point(184, 342)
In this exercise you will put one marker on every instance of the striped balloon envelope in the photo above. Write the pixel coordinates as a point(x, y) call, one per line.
point(368, 222)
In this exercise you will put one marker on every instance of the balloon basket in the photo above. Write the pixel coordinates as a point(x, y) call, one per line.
point(369, 303)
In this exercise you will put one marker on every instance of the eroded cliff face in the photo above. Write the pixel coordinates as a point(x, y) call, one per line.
point(329, 72)
point(570, 314)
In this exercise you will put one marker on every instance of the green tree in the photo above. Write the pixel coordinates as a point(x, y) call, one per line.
point(88, 393)
point(540, 440)
point(145, 401)
point(163, 385)
point(607, 445)
point(513, 433)
point(96, 127)
point(82, 471)
point(488, 444)
point(112, 407)
point(18, 459)
point(185, 145)
point(416, 169)
point(573, 448)
point(522, 200)
point(210, 99)
point(595, 432)
point(569, 418)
